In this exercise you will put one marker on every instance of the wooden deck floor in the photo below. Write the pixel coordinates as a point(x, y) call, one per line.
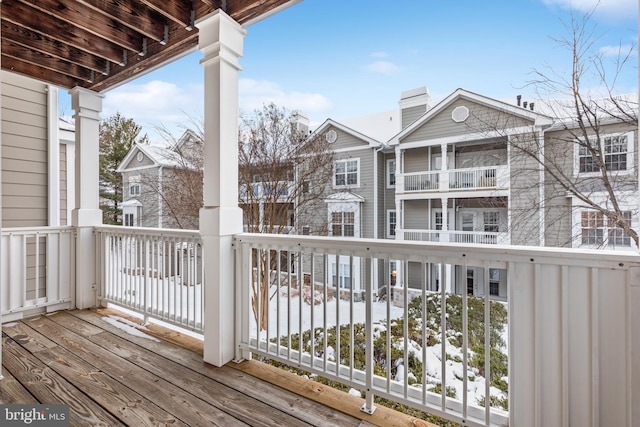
point(112, 374)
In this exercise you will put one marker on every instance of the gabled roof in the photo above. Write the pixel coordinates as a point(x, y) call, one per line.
point(332, 123)
point(537, 118)
point(344, 197)
point(160, 156)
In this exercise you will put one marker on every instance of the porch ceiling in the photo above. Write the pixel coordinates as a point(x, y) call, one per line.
point(99, 44)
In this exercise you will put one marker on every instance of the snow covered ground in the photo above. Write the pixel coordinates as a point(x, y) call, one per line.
point(303, 315)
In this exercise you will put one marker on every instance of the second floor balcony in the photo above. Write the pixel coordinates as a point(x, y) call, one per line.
point(487, 178)
point(455, 236)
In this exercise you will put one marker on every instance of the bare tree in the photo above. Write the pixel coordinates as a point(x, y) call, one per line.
point(177, 187)
point(283, 175)
point(584, 161)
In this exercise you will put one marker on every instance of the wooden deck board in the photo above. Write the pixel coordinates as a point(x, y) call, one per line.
point(47, 386)
point(111, 377)
point(305, 410)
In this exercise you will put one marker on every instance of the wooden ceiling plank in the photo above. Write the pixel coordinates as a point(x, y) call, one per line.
point(74, 13)
point(16, 65)
point(179, 11)
point(47, 45)
point(46, 25)
point(133, 14)
point(40, 59)
point(245, 10)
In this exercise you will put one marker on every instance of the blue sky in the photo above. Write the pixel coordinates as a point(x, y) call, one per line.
point(346, 58)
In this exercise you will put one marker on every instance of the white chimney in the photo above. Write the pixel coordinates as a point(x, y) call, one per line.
point(413, 104)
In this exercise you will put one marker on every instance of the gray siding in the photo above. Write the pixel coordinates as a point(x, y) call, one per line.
point(525, 194)
point(135, 163)
point(24, 152)
point(481, 119)
point(416, 160)
point(416, 214)
point(346, 140)
point(411, 114)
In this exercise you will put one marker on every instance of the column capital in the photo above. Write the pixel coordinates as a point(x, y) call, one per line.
point(85, 99)
point(220, 37)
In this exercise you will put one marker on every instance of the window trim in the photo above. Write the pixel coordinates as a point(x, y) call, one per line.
point(389, 234)
point(346, 161)
point(607, 235)
point(389, 173)
point(137, 192)
point(630, 162)
point(342, 223)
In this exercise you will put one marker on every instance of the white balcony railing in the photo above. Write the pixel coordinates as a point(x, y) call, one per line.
point(37, 270)
point(561, 352)
point(480, 178)
point(155, 272)
point(456, 236)
point(421, 181)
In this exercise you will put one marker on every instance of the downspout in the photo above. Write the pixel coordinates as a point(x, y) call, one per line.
point(160, 213)
point(541, 186)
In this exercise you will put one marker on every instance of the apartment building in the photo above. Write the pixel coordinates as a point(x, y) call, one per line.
point(470, 169)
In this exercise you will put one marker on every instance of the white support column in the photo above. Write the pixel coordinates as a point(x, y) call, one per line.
point(53, 156)
point(87, 214)
point(221, 41)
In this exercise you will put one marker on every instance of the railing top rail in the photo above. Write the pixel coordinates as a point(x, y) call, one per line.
point(32, 230)
point(422, 173)
point(145, 231)
point(478, 168)
point(451, 252)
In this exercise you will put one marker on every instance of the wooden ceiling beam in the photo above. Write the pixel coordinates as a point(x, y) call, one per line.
point(16, 65)
point(74, 13)
point(42, 60)
point(179, 11)
point(132, 14)
point(15, 12)
point(47, 45)
point(245, 10)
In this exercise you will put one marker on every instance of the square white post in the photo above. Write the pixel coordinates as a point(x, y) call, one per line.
point(87, 105)
point(221, 41)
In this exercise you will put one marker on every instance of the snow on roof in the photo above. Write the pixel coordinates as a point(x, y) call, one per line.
point(160, 155)
point(344, 196)
point(378, 126)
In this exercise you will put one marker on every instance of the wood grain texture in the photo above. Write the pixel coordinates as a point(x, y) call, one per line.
point(47, 386)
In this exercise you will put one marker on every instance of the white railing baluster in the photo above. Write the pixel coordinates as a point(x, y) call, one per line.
point(156, 273)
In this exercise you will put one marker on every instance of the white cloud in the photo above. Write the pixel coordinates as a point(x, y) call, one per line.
point(380, 54)
point(383, 67)
point(618, 50)
point(607, 8)
point(256, 93)
point(155, 102)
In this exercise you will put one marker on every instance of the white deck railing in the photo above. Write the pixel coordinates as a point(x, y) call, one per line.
point(567, 332)
point(155, 272)
point(37, 270)
point(421, 181)
point(456, 236)
point(480, 178)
